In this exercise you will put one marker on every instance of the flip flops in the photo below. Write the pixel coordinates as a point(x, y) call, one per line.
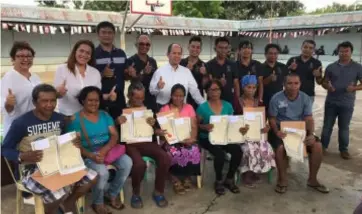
point(280, 189)
point(319, 187)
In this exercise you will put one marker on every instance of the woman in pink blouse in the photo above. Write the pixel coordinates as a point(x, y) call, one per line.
point(186, 154)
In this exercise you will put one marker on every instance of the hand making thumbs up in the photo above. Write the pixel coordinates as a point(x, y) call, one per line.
point(132, 71)
point(61, 89)
point(203, 69)
point(330, 87)
point(10, 100)
point(113, 94)
point(148, 68)
point(223, 80)
point(107, 72)
point(160, 83)
point(294, 65)
point(190, 65)
point(317, 72)
point(351, 87)
point(273, 76)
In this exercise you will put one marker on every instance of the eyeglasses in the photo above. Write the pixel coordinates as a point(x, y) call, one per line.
point(24, 56)
point(144, 44)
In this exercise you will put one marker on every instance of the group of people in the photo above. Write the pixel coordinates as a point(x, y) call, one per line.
point(89, 90)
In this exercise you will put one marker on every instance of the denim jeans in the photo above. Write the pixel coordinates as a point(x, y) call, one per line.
point(124, 166)
point(344, 114)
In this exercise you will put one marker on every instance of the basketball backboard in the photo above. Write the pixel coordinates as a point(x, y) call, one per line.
point(152, 7)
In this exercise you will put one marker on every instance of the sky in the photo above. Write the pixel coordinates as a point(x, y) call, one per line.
point(309, 4)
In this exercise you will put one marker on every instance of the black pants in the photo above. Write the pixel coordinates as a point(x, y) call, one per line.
point(219, 157)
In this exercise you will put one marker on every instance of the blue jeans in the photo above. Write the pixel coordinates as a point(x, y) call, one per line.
point(344, 114)
point(124, 166)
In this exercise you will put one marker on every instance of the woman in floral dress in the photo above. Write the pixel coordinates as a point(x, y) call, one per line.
point(185, 155)
point(258, 157)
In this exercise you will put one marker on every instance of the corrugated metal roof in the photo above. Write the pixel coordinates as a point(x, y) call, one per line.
point(16, 13)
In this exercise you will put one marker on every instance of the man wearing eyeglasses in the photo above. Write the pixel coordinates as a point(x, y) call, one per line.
point(145, 67)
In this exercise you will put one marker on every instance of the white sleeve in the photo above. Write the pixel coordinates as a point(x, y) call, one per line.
point(59, 76)
point(193, 89)
point(5, 83)
point(154, 90)
point(99, 79)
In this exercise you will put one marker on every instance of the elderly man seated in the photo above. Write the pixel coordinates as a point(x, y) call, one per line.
point(294, 105)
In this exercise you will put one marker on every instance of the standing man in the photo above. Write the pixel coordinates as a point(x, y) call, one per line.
point(224, 69)
point(294, 105)
point(112, 63)
point(273, 73)
point(341, 78)
point(307, 67)
point(248, 66)
point(196, 66)
point(145, 67)
point(170, 74)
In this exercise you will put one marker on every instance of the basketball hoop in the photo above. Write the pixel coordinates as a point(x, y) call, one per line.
point(152, 7)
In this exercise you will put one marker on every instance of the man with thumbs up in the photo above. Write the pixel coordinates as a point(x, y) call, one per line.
point(145, 66)
point(342, 79)
point(307, 67)
point(196, 66)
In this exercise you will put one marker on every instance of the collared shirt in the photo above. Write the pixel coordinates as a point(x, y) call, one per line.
point(170, 76)
point(229, 70)
point(281, 71)
point(341, 76)
point(253, 68)
point(198, 78)
point(21, 88)
point(74, 83)
point(139, 65)
point(305, 72)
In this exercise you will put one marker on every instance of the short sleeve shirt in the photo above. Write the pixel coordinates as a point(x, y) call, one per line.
point(98, 132)
point(290, 110)
point(186, 111)
point(204, 111)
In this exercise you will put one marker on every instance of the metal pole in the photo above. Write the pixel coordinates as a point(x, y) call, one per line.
point(123, 34)
point(271, 27)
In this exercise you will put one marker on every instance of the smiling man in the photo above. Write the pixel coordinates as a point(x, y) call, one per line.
point(170, 74)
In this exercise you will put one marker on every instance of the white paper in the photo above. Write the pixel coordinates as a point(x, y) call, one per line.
point(179, 121)
point(233, 119)
point(138, 114)
point(162, 120)
point(249, 116)
point(41, 144)
point(66, 137)
point(290, 130)
point(215, 119)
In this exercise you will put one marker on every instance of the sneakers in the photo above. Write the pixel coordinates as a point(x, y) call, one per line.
point(345, 155)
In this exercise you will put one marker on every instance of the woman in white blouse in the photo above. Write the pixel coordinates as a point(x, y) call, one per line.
point(72, 77)
point(17, 84)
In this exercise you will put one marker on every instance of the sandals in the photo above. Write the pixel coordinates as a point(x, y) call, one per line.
point(232, 187)
point(136, 202)
point(160, 200)
point(319, 187)
point(188, 184)
point(280, 189)
point(178, 188)
point(219, 188)
point(100, 209)
point(114, 203)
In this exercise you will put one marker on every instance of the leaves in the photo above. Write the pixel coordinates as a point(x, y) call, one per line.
point(199, 9)
point(336, 7)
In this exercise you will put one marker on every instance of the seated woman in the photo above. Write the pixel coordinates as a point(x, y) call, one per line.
point(136, 96)
point(216, 106)
point(37, 124)
point(185, 155)
point(98, 136)
point(258, 157)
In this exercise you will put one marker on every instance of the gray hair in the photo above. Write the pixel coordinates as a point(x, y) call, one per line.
point(135, 86)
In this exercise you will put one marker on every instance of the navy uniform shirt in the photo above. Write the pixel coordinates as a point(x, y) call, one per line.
point(305, 72)
point(198, 77)
point(139, 65)
point(117, 60)
point(252, 69)
point(230, 71)
point(281, 71)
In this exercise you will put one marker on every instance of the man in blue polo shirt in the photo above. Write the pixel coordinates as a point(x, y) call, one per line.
point(114, 67)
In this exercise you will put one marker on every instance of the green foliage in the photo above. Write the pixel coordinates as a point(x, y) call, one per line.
point(199, 9)
point(114, 6)
point(336, 7)
point(52, 3)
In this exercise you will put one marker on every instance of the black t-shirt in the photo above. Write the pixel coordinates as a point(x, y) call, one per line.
point(254, 68)
point(305, 72)
point(230, 71)
point(139, 65)
point(281, 70)
point(198, 77)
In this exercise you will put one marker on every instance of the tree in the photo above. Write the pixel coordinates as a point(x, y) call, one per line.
point(52, 3)
point(336, 7)
point(199, 9)
point(114, 6)
point(245, 10)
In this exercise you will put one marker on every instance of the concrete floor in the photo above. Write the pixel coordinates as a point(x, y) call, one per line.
point(344, 178)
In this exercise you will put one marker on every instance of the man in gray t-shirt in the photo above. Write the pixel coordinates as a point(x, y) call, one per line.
point(294, 105)
point(340, 80)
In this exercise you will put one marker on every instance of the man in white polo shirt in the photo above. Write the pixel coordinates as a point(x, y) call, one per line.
point(173, 73)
